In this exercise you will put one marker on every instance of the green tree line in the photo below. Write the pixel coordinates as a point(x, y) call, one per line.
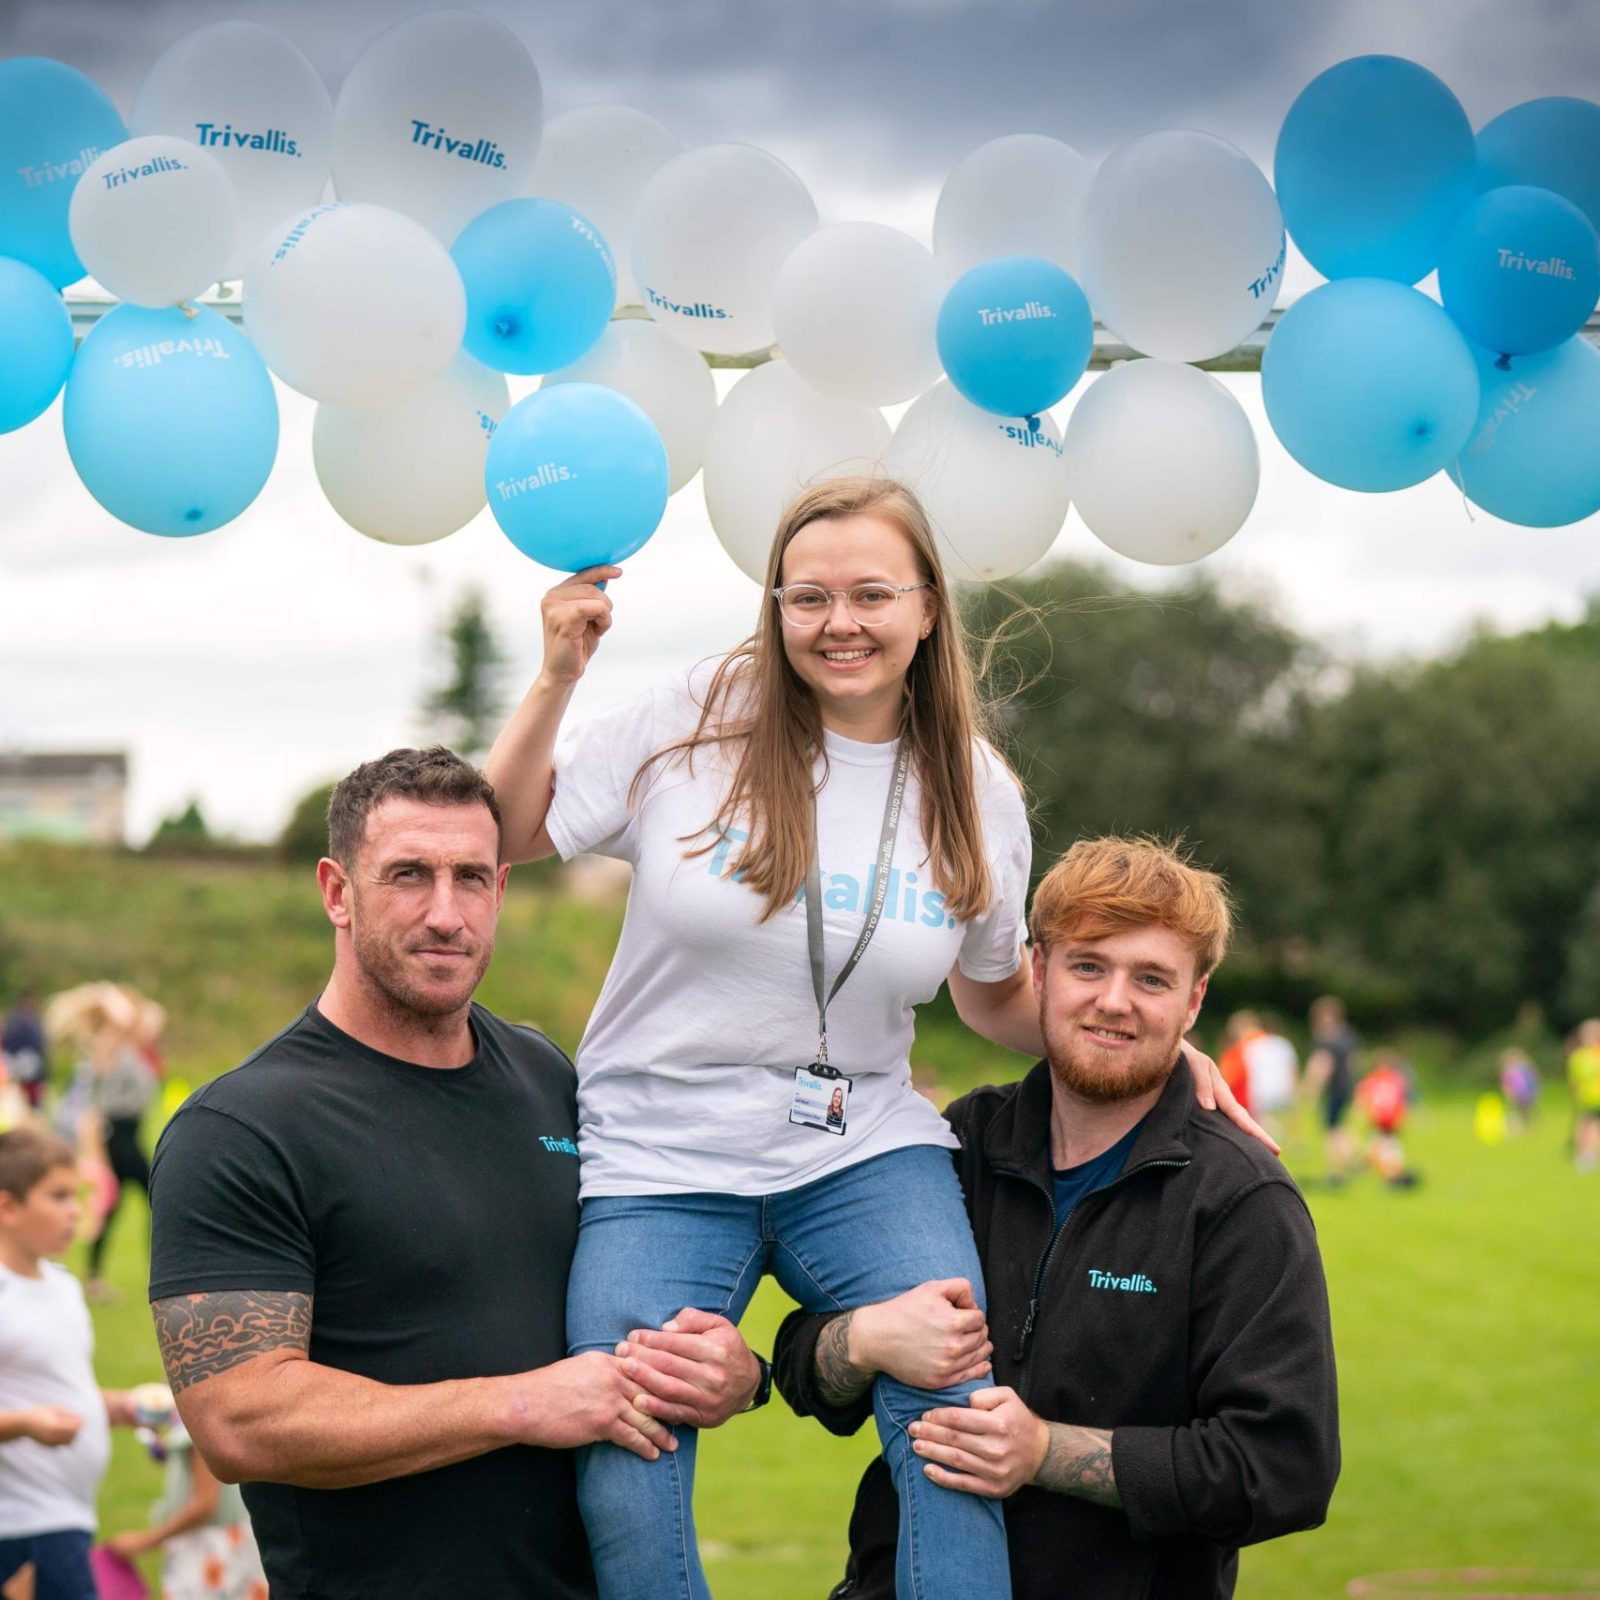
point(1418, 835)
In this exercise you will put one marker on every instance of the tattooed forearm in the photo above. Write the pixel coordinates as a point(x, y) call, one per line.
point(203, 1334)
point(838, 1382)
point(1077, 1461)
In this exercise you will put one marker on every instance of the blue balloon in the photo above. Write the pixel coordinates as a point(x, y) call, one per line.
point(1551, 144)
point(540, 285)
point(1369, 385)
point(576, 476)
point(54, 125)
point(1533, 456)
point(1520, 270)
point(170, 420)
point(1374, 161)
point(35, 344)
point(1015, 335)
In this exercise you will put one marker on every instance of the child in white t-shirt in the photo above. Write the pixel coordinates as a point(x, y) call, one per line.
point(55, 1420)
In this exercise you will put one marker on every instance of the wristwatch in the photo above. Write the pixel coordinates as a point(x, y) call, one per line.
point(763, 1387)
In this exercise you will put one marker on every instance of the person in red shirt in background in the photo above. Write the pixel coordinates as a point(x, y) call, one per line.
point(1244, 1028)
point(1384, 1095)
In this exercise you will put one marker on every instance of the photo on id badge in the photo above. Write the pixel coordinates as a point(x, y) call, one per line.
point(821, 1097)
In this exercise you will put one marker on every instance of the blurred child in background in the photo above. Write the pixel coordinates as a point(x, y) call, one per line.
point(1583, 1074)
point(25, 1051)
point(1331, 1071)
point(1384, 1095)
point(200, 1527)
point(54, 1419)
point(116, 1031)
point(1274, 1068)
point(1519, 1088)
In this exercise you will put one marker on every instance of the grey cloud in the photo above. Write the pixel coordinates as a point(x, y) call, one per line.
point(889, 94)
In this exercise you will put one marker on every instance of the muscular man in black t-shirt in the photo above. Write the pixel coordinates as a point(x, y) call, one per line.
point(362, 1237)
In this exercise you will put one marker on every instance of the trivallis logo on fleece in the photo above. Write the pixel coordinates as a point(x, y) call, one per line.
point(273, 142)
point(55, 171)
point(484, 151)
point(1136, 1283)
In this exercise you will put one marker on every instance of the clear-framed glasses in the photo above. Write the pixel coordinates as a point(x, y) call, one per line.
point(806, 605)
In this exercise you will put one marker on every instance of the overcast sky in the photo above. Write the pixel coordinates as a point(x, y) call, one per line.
point(245, 665)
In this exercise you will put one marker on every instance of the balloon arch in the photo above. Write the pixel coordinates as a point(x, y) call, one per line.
point(404, 247)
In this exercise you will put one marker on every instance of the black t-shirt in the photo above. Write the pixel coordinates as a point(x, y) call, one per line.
point(1341, 1043)
point(432, 1215)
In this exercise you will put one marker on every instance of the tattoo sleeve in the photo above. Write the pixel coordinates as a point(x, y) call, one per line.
point(203, 1334)
point(1077, 1461)
point(838, 1382)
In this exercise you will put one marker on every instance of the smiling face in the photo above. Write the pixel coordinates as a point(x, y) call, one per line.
point(421, 903)
point(857, 674)
point(1113, 1010)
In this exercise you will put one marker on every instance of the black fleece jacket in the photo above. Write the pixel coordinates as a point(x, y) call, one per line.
point(1183, 1307)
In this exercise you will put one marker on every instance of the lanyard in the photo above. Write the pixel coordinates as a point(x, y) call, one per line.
point(880, 891)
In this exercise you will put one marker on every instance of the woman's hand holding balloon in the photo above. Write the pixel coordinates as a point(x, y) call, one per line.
point(575, 613)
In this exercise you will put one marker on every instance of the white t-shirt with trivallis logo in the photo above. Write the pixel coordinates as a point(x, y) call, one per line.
point(47, 1359)
point(686, 1070)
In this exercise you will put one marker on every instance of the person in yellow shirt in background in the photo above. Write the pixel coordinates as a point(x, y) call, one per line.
point(1583, 1073)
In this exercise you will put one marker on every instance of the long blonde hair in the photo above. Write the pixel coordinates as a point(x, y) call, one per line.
point(757, 703)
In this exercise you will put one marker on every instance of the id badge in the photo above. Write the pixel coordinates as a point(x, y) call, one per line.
point(821, 1098)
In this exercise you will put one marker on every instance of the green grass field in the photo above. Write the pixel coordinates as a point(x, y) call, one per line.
point(1467, 1311)
point(1467, 1319)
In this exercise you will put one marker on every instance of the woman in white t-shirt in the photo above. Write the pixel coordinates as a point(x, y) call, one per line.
point(711, 1144)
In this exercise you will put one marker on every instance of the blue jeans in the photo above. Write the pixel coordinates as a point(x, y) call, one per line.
point(60, 1564)
point(858, 1236)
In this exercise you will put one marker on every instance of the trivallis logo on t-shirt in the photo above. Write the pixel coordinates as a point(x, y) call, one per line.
point(905, 900)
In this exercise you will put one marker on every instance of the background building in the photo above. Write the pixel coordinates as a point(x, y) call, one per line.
point(79, 797)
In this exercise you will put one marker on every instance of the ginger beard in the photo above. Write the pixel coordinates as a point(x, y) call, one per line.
point(1093, 1072)
point(390, 959)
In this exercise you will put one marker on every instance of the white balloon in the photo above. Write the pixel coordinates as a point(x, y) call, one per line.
point(710, 231)
point(1163, 462)
point(772, 437)
point(354, 304)
point(253, 103)
point(995, 489)
point(1018, 196)
point(597, 160)
point(856, 310)
point(439, 119)
point(154, 220)
point(670, 383)
point(1183, 245)
point(412, 472)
